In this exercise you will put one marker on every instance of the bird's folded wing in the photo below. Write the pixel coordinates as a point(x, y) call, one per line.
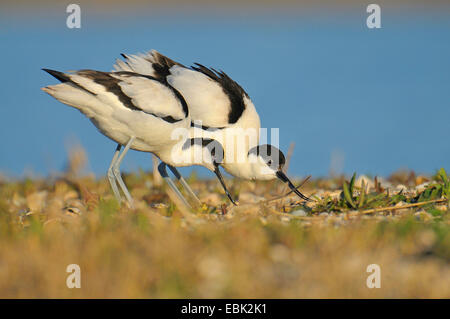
point(213, 98)
point(153, 96)
point(133, 91)
point(208, 103)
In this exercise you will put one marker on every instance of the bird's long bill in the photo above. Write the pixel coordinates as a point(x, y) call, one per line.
point(219, 176)
point(285, 179)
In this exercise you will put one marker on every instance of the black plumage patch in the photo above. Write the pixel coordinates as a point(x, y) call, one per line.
point(63, 78)
point(206, 128)
point(58, 75)
point(174, 91)
point(111, 84)
point(233, 90)
point(162, 64)
point(214, 147)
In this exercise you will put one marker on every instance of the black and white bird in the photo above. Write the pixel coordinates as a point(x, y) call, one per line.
point(219, 109)
point(149, 97)
point(139, 112)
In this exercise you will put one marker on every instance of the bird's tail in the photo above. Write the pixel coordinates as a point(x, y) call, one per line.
point(69, 92)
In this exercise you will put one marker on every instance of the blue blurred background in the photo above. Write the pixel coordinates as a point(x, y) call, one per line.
point(351, 98)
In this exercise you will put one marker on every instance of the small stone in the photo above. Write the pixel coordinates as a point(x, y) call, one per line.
point(421, 187)
point(366, 180)
point(285, 219)
point(72, 211)
point(158, 205)
point(335, 194)
point(23, 214)
point(148, 184)
point(324, 214)
point(401, 187)
point(384, 183)
point(212, 199)
point(421, 179)
point(212, 267)
point(401, 204)
point(320, 193)
point(300, 213)
point(230, 215)
point(17, 200)
point(36, 201)
point(247, 197)
point(279, 253)
point(70, 195)
point(263, 220)
point(354, 213)
point(426, 239)
point(422, 215)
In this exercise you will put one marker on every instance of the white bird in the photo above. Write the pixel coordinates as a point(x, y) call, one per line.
point(221, 110)
point(139, 112)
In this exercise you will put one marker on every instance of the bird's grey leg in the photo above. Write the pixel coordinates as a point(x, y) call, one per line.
point(185, 184)
point(116, 171)
point(162, 170)
point(111, 177)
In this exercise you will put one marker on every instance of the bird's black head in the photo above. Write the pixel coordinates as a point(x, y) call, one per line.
point(273, 162)
point(271, 156)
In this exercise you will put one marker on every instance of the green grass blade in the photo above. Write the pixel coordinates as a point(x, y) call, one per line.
point(348, 195)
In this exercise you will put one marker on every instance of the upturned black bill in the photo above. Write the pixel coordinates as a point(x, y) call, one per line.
point(285, 179)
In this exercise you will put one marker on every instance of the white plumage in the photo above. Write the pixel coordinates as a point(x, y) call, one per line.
point(148, 98)
point(215, 102)
point(207, 101)
point(206, 98)
point(136, 111)
point(142, 117)
point(151, 96)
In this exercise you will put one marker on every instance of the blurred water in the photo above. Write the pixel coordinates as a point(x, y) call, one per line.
point(377, 98)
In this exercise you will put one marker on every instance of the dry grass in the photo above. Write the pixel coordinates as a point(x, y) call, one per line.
point(254, 250)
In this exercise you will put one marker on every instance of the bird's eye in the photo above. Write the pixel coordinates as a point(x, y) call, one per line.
point(269, 162)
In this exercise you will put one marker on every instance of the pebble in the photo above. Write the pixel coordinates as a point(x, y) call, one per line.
point(401, 187)
point(72, 211)
point(285, 219)
point(367, 181)
point(299, 212)
point(421, 187)
point(148, 184)
point(401, 204)
point(212, 199)
point(36, 201)
point(335, 194)
point(384, 183)
point(250, 198)
point(279, 253)
point(422, 215)
point(158, 205)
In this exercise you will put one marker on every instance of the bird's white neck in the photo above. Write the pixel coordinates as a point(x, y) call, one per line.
point(187, 153)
